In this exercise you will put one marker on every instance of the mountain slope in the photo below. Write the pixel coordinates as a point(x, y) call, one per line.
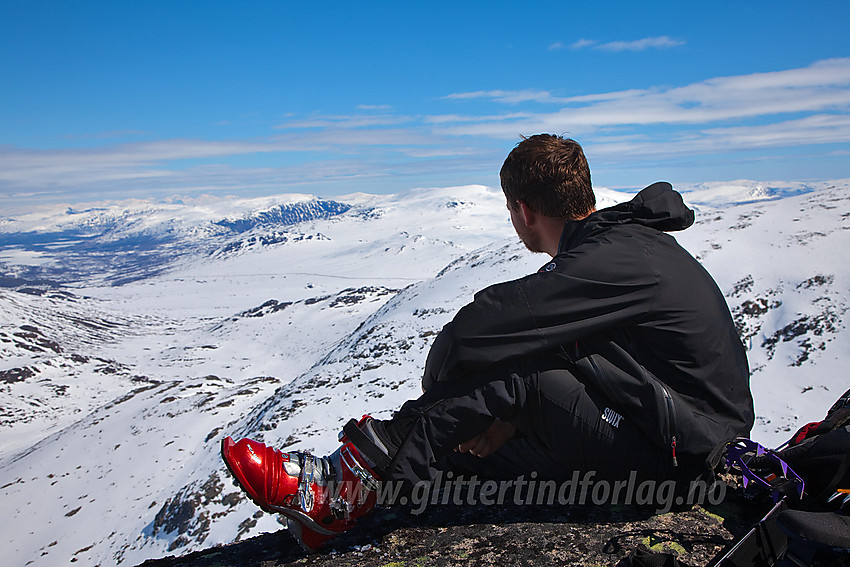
point(286, 340)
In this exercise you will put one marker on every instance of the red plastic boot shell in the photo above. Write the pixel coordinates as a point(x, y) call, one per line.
point(331, 506)
point(260, 472)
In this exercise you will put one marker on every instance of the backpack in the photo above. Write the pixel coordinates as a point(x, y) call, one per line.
point(808, 478)
point(819, 453)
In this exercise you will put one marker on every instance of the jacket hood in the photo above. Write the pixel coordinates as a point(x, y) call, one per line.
point(657, 206)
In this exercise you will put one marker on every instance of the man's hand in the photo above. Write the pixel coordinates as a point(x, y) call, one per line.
point(488, 442)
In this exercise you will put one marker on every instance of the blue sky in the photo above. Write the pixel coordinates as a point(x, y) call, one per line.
point(154, 99)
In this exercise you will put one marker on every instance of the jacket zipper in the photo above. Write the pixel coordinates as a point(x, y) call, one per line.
point(671, 422)
point(671, 413)
point(668, 399)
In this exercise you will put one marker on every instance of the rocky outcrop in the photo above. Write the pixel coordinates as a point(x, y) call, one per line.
point(505, 535)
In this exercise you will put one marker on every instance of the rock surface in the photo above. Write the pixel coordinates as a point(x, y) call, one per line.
point(508, 535)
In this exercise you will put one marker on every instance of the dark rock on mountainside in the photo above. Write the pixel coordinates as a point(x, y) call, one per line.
point(505, 535)
point(285, 215)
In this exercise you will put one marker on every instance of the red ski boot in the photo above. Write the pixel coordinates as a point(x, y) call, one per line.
point(320, 497)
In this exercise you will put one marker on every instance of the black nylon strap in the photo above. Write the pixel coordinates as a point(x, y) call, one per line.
point(642, 557)
point(368, 448)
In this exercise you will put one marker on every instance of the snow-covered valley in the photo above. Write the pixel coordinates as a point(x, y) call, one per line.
point(133, 336)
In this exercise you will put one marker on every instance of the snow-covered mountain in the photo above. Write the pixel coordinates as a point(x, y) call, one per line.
point(133, 336)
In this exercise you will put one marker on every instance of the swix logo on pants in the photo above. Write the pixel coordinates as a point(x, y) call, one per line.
point(612, 417)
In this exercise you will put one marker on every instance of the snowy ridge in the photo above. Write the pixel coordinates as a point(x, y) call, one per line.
point(140, 239)
point(721, 194)
point(288, 340)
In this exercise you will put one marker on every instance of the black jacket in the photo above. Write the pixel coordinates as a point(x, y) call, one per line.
point(631, 312)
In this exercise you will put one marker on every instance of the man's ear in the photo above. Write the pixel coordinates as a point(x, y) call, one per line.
point(526, 214)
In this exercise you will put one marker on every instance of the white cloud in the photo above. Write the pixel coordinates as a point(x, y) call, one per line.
point(821, 87)
point(347, 121)
point(659, 42)
point(457, 118)
point(508, 97)
point(782, 109)
point(582, 43)
point(106, 135)
point(545, 97)
point(374, 107)
point(817, 129)
point(162, 163)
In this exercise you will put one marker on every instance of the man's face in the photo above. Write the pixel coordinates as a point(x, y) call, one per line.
point(526, 235)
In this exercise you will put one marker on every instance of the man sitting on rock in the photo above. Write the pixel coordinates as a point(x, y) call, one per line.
point(618, 358)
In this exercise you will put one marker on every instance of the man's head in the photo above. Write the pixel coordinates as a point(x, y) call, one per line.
point(551, 176)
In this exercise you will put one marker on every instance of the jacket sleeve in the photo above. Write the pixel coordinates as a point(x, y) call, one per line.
point(585, 293)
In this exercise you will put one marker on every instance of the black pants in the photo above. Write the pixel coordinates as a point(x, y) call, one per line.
point(563, 425)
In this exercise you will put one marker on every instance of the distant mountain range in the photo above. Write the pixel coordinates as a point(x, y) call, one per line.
point(133, 336)
point(114, 245)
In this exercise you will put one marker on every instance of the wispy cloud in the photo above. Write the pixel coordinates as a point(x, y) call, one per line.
point(750, 118)
point(734, 141)
point(756, 112)
point(543, 97)
point(345, 154)
point(458, 118)
point(147, 160)
point(106, 135)
point(659, 42)
point(347, 121)
point(583, 43)
point(509, 97)
point(817, 129)
point(823, 86)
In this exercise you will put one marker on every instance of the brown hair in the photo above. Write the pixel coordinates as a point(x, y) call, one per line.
point(550, 174)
